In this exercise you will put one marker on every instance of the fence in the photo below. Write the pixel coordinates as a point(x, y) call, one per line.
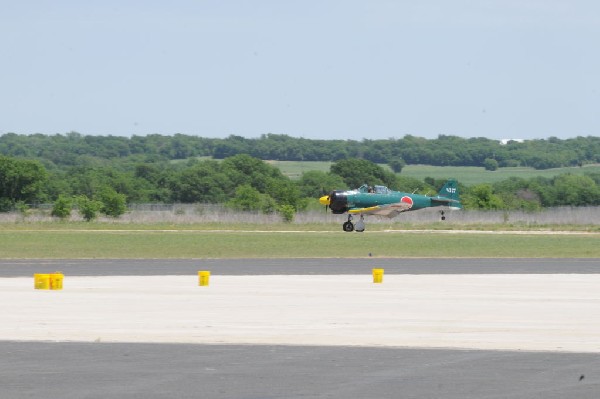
point(212, 213)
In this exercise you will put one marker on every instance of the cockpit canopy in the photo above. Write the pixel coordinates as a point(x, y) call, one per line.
point(365, 188)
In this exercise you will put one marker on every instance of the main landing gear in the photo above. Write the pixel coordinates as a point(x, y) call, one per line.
point(359, 227)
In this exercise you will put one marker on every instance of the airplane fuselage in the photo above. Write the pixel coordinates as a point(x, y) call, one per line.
point(371, 199)
point(343, 201)
point(381, 201)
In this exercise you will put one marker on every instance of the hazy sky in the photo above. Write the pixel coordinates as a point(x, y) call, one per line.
point(344, 69)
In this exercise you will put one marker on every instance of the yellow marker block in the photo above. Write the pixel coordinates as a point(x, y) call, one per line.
point(56, 281)
point(203, 278)
point(41, 281)
point(378, 276)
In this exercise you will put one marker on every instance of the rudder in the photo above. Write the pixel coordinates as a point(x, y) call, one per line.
point(450, 190)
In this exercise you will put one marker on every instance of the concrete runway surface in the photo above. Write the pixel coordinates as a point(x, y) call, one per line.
point(471, 328)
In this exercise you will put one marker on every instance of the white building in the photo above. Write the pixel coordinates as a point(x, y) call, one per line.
point(505, 141)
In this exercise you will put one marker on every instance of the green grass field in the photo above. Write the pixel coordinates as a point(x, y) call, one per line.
point(86, 244)
point(467, 175)
point(470, 175)
point(294, 169)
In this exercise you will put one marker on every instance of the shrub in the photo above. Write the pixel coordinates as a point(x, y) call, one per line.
point(88, 208)
point(62, 207)
point(113, 203)
point(287, 212)
point(6, 205)
point(23, 208)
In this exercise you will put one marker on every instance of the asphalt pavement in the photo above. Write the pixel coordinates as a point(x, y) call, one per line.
point(154, 370)
point(123, 370)
point(300, 266)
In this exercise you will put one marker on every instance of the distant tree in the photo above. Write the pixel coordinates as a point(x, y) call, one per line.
point(20, 180)
point(410, 184)
point(516, 194)
point(509, 163)
point(357, 172)
point(576, 190)
point(490, 164)
point(232, 146)
point(543, 188)
point(545, 161)
point(285, 192)
point(594, 176)
point(315, 183)
point(397, 164)
point(69, 149)
point(244, 169)
point(481, 196)
point(247, 198)
point(139, 167)
point(57, 184)
point(204, 181)
point(86, 180)
point(429, 180)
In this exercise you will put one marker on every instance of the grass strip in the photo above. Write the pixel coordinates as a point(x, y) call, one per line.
point(203, 244)
point(299, 227)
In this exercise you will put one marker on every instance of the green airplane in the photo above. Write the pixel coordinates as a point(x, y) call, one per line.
point(381, 201)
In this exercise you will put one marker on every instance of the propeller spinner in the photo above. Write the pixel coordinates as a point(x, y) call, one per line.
point(325, 200)
point(337, 201)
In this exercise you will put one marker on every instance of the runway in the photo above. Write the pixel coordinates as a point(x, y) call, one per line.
point(300, 266)
point(308, 335)
point(153, 371)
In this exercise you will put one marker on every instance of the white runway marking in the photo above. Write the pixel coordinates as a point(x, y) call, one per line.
point(504, 312)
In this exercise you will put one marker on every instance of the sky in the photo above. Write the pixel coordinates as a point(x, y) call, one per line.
point(348, 69)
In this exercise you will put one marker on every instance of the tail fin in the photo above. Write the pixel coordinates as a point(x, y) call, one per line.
point(450, 191)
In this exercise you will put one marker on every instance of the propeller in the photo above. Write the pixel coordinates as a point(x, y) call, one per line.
point(325, 199)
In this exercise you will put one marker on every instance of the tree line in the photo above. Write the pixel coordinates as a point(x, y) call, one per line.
point(247, 183)
point(71, 149)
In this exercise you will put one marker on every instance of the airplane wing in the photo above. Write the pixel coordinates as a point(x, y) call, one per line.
point(389, 210)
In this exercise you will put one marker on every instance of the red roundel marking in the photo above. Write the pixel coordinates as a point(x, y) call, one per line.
point(407, 200)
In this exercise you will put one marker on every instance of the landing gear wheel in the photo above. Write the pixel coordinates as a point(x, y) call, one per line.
point(359, 227)
point(348, 226)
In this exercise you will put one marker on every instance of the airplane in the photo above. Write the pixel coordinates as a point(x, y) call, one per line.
point(381, 201)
